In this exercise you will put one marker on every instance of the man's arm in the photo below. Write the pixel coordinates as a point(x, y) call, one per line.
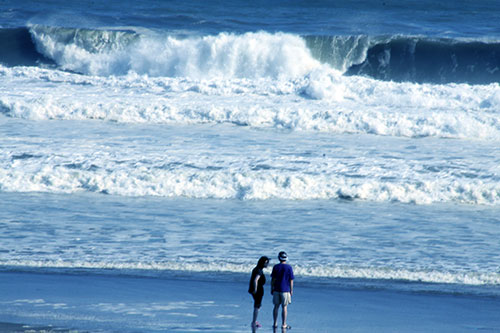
point(291, 287)
point(272, 285)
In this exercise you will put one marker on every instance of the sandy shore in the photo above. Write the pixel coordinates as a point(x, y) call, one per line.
point(96, 303)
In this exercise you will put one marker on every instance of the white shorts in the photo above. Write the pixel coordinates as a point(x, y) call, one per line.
point(282, 298)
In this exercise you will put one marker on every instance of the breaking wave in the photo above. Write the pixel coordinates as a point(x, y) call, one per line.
point(252, 182)
point(363, 275)
point(251, 55)
point(322, 100)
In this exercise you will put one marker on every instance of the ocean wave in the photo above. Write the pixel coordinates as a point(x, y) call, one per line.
point(107, 52)
point(253, 183)
point(424, 60)
point(324, 271)
point(18, 49)
point(102, 52)
point(410, 58)
point(322, 100)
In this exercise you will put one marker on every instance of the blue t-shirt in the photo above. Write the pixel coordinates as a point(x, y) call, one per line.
point(282, 274)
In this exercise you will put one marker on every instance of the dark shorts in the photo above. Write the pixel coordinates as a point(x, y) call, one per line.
point(257, 298)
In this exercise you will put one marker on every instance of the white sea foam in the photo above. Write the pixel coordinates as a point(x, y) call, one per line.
point(244, 184)
point(323, 271)
point(322, 100)
point(251, 55)
point(86, 165)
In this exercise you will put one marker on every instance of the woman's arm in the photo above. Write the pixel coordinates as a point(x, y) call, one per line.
point(255, 283)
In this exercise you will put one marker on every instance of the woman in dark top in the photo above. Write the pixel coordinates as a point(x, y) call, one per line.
point(256, 287)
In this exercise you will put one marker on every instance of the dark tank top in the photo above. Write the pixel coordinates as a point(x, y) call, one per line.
point(260, 284)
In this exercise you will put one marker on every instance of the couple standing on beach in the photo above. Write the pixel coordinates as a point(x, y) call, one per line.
point(281, 288)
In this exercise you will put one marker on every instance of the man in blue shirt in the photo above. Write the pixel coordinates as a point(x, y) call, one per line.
point(281, 288)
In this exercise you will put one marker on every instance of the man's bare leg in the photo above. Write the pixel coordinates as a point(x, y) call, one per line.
point(275, 314)
point(283, 316)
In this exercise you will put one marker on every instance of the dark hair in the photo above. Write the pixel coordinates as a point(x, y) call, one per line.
point(262, 261)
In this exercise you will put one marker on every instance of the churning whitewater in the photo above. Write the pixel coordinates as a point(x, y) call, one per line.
point(258, 80)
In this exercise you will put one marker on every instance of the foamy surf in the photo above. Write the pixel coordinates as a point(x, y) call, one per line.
point(214, 181)
point(367, 274)
point(321, 100)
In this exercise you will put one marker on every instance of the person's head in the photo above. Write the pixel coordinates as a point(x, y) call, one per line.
point(282, 256)
point(263, 262)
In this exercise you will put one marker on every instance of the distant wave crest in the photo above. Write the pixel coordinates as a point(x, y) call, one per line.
point(102, 52)
point(252, 55)
point(364, 275)
point(410, 59)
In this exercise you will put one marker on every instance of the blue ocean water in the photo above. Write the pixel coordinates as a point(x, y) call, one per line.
point(148, 137)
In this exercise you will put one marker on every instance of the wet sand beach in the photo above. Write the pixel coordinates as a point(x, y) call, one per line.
point(96, 303)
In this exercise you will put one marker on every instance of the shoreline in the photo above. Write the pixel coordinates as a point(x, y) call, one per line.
point(89, 303)
point(317, 282)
